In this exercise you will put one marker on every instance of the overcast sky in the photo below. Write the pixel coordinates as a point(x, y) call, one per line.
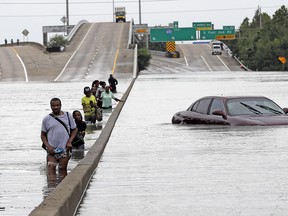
point(17, 15)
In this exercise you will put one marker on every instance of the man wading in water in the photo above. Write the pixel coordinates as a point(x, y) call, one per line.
point(57, 138)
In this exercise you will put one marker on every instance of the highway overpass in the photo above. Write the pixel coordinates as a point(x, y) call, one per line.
point(98, 49)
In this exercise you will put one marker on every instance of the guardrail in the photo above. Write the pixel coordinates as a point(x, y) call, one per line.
point(130, 34)
point(230, 53)
point(242, 65)
point(75, 29)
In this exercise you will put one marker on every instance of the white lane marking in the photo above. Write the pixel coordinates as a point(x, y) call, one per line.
point(23, 65)
point(74, 53)
point(206, 63)
point(164, 60)
point(186, 61)
point(223, 63)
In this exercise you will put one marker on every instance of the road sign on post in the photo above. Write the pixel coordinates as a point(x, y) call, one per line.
point(175, 24)
point(25, 32)
point(202, 25)
point(172, 34)
point(282, 59)
point(224, 34)
point(170, 46)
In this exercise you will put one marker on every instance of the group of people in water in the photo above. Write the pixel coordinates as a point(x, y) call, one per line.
point(99, 96)
point(59, 129)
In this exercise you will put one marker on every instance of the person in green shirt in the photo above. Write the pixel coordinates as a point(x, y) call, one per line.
point(107, 97)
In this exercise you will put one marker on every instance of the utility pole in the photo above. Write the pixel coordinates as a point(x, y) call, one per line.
point(260, 16)
point(113, 10)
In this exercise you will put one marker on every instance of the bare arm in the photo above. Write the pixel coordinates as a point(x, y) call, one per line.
point(72, 136)
point(49, 148)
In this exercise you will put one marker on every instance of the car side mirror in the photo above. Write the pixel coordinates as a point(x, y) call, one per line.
point(285, 110)
point(220, 113)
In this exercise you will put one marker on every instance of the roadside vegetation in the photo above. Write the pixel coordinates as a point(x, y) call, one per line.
point(144, 57)
point(56, 43)
point(262, 41)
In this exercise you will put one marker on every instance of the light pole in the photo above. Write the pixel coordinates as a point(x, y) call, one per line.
point(139, 11)
point(67, 15)
point(113, 10)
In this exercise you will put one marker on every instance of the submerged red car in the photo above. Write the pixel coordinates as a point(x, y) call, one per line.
point(234, 111)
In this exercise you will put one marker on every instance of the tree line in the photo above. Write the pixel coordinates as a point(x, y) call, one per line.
point(262, 41)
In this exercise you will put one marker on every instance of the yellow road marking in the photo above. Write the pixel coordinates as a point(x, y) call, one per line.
point(117, 52)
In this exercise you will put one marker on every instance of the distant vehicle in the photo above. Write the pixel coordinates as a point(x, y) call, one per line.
point(120, 14)
point(215, 42)
point(175, 54)
point(216, 50)
point(234, 111)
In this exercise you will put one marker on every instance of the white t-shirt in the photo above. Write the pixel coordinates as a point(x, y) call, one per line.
point(56, 133)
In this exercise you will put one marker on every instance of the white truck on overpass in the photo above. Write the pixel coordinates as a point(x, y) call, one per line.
point(120, 14)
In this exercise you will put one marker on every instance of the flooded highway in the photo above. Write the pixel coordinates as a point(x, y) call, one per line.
point(149, 166)
point(24, 182)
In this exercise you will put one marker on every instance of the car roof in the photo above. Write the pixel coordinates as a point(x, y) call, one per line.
point(224, 98)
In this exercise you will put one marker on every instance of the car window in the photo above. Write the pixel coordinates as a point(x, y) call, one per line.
point(194, 107)
point(203, 106)
point(216, 105)
point(257, 106)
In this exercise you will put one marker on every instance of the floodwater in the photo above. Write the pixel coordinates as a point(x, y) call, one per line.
point(23, 179)
point(149, 166)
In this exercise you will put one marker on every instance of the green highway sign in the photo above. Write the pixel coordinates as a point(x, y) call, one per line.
point(172, 34)
point(202, 25)
point(212, 34)
point(175, 24)
point(229, 27)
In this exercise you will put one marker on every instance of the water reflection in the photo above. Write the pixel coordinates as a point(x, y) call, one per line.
point(53, 179)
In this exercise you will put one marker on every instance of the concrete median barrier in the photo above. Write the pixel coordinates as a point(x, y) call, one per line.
point(66, 197)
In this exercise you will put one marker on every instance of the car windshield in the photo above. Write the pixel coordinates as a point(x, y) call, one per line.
point(256, 106)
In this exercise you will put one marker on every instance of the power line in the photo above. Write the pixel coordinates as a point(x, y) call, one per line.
point(87, 2)
point(154, 12)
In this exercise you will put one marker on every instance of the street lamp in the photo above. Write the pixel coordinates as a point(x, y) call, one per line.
point(67, 15)
point(113, 9)
point(139, 11)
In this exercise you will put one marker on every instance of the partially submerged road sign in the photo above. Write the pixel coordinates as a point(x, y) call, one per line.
point(172, 34)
